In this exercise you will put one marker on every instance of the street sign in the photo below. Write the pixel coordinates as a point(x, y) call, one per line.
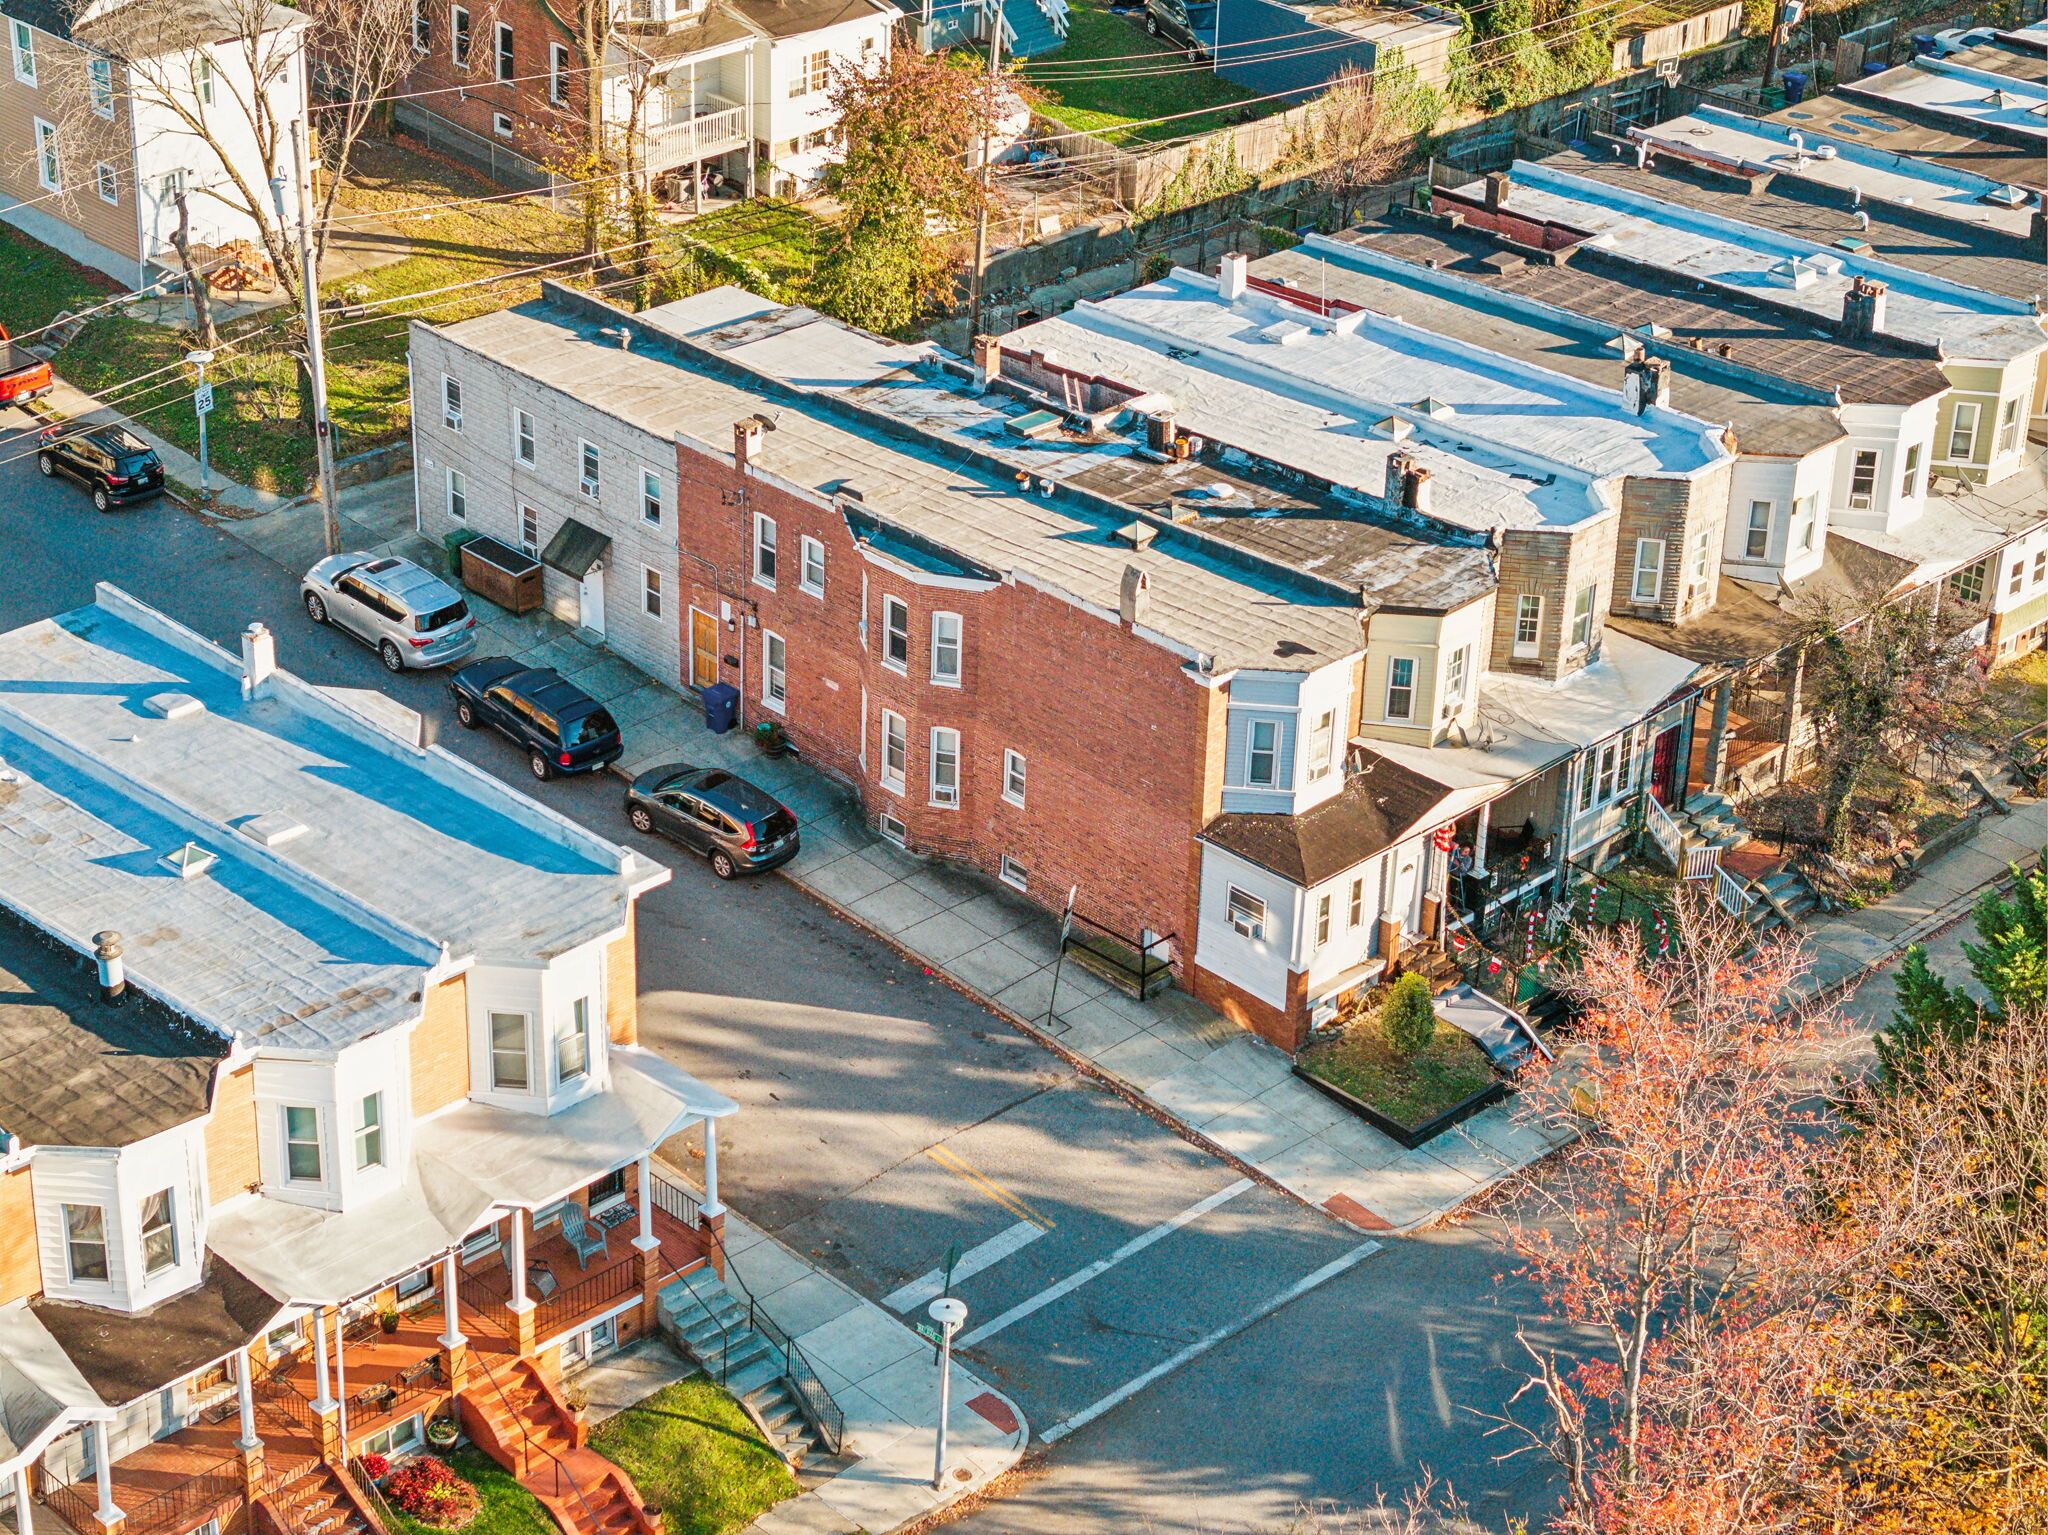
point(202, 399)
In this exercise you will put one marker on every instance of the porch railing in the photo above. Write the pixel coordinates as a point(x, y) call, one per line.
point(676, 1202)
point(1730, 892)
point(695, 138)
point(565, 1306)
point(1702, 862)
point(1664, 830)
point(813, 1400)
point(179, 1507)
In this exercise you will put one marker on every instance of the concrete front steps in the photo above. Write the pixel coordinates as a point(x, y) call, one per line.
point(708, 1325)
point(1778, 897)
point(517, 1418)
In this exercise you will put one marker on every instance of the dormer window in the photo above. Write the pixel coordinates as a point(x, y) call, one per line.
point(85, 1242)
point(302, 1161)
point(572, 1043)
point(159, 1234)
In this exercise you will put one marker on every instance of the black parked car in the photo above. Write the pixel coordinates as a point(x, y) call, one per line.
point(110, 461)
point(738, 827)
point(561, 728)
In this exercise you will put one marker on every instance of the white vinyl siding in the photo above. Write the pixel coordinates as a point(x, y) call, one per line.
point(1962, 430)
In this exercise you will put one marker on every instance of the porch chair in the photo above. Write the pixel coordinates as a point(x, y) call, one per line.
point(587, 1240)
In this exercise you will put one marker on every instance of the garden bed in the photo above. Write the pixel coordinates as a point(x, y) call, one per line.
point(503, 1507)
point(695, 1454)
point(1412, 1100)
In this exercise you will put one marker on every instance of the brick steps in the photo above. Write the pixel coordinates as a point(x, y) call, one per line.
point(519, 1420)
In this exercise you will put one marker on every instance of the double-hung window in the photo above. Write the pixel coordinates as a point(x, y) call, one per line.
point(529, 532)
point(451, 403)
point(558, 74)
point(508, 1052)
point(895, 751)
point(1647, 580)
point(23, 37)
point(108, 183)
point(85, 1241)
point(1013, 777)
point(1582, 616)
point(590, 469)
point(302, 1158)
point(1805, 518)
point(1863, 480)
point(159, 1233)
point(1322, 732)
point(1262, 754)
point(507, 69)
point(524, 445)
point(49, 161)
point(946, 649)
point(945, 766)
point(1355, 911)
point(370, 1132)
point(650, 591)
point(1322, 920)
point(2013, 584)
point(202, 80)
point(458, 494)
point(99, 79)
point(1400, 688)
point(811, 571)
point(1702, 553)
point(1909, 479)
point(2040, 567)
point(422, 27)
point(774, 671)
point(1457, 679)
point(650, 498)
point(2008, 426)
point(764, 550)
point(895, 634)
point(1247, 914)
point(1962, 430)
point(458, 36)
point(572, 1042)
point(1528, 624)
point(1756, 537)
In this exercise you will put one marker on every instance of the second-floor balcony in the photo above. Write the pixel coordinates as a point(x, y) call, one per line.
point(683, 131)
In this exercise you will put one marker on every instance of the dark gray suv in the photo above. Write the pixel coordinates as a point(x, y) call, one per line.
point(738, 827)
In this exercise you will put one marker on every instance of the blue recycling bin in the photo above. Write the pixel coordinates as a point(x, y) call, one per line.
point(1795, 85)
point(1874, 67)
point(721, 707)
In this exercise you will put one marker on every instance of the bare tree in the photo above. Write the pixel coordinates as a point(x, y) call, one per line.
point(195, 280)
point(1367, 128)
point(365, 49)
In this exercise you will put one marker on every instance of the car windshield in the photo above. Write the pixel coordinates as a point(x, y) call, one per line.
point(441, 618)
point(587, 727)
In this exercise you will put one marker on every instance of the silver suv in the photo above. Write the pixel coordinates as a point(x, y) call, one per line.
point(411, 616)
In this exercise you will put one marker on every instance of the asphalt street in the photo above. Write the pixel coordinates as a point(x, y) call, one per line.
point(887, 1120)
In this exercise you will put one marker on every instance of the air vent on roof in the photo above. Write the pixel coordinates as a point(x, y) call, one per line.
point(1394, 429)
point(1285, 333)
point(1136, 535)
point(2006, 197)
point(1430, 406)
point(173, 706)
point(189, 861)
point(271, 830)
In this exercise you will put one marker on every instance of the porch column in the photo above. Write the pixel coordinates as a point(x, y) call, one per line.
point(451, 1340)
point(521, 1305)
point(711, 1214)
point(23, 1520)
point(1481, 822)
point(646, 1241)
point(1717, 738)
point(249, 1444)
point(324, 1403)
point(647, 1248)
point(108, 1513)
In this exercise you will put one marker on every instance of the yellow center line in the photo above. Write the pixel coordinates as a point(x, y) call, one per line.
point(953, 1163)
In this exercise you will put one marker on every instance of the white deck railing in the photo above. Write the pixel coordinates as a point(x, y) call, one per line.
point(1664, 830)
point(1729, 891)
point(711, 132)
point(1702, 862)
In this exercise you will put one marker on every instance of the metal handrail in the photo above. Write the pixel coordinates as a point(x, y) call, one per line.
point(358, 1476)
point(482, 1360)
point(201, 1490)
point(812, 1398)
point(675, 1201)
point(565, 1305)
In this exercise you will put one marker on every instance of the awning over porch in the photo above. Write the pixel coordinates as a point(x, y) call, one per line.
point(41, 1392)
point(465, 1161)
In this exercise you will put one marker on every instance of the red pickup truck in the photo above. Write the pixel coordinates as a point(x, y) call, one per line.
point(23, 375)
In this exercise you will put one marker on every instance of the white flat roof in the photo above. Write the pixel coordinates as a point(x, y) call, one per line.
point(1738, 259)
point(1513, 445)
point(410, 863)
point(1973, 98)
point(1728, 138)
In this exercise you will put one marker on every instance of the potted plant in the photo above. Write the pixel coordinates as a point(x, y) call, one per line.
point(772, 739)
point(387, 1319)
point(441, 1432)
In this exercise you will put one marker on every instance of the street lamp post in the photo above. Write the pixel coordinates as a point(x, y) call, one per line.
point(949, 1312)
point(202, 405)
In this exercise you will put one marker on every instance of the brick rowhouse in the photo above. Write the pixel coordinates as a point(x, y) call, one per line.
point(1112, 729)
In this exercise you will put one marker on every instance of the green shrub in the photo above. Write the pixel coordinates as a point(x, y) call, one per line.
point(1408, 1016)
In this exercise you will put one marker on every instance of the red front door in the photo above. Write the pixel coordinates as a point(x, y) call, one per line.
point(1664, 766)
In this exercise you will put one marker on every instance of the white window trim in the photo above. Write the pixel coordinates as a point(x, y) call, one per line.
point(649, 479)
point(103, 177)
point(377, 1127)
point(651, 587)
point(1013, 873)
point(285, 1143)
point(491, 1015)
point(1955, 427)
point(770, 672)
point(455, 491)
point(451, 402)
point(1253, 750)
point(1015, 768)
point(943, 679)
point(21, 40)
point(771, 546)
point(1750, 530)
point(946, 797)
point(895, 781)
point(502, 39)
point(805, 547)
point(1322, 739)
point(1863, 500)
point(587, 453)
point(1406, 716)
point(896, 605)
point(2007, 416)
point(558, 74)
point(501, 125)
point(1530, 603)
point(1805, 523)
point(459, 38)
point(1588, 598)
point(525, 438)
point(1652, 567)
point(99, 74)
point(106, 1242)
point(44, 161)
point(1247, 925)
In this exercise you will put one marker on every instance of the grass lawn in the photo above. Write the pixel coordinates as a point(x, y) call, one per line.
point(1407, 1092)
point(37, 284)
point(776, 236)
point(1102, 106)
point(696, 1455)
point(505, 1508)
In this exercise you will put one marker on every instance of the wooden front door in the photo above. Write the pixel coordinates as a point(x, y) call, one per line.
point(1664, 766)
point(703, 649)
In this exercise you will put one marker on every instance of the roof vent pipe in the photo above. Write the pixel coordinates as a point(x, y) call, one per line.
point(113, 979)
point(259, 661)
point(1642, 154)
point(1134, 597)
point(1230, 276)
point(620, 334)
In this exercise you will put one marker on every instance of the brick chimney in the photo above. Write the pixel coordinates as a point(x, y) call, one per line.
point(988, 360)
point(1646, 381)
point(1230, 277)
point(1395, 491)
point(1863, 309)
point(746, 439)
point(1417, 493)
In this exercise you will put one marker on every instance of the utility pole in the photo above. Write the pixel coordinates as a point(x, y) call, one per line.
point(988, 168)
point(316, 351)
point(1783, 20)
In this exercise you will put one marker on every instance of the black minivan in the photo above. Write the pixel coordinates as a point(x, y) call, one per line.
point(738, 827)
point(110, 461)
point(561, 728)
